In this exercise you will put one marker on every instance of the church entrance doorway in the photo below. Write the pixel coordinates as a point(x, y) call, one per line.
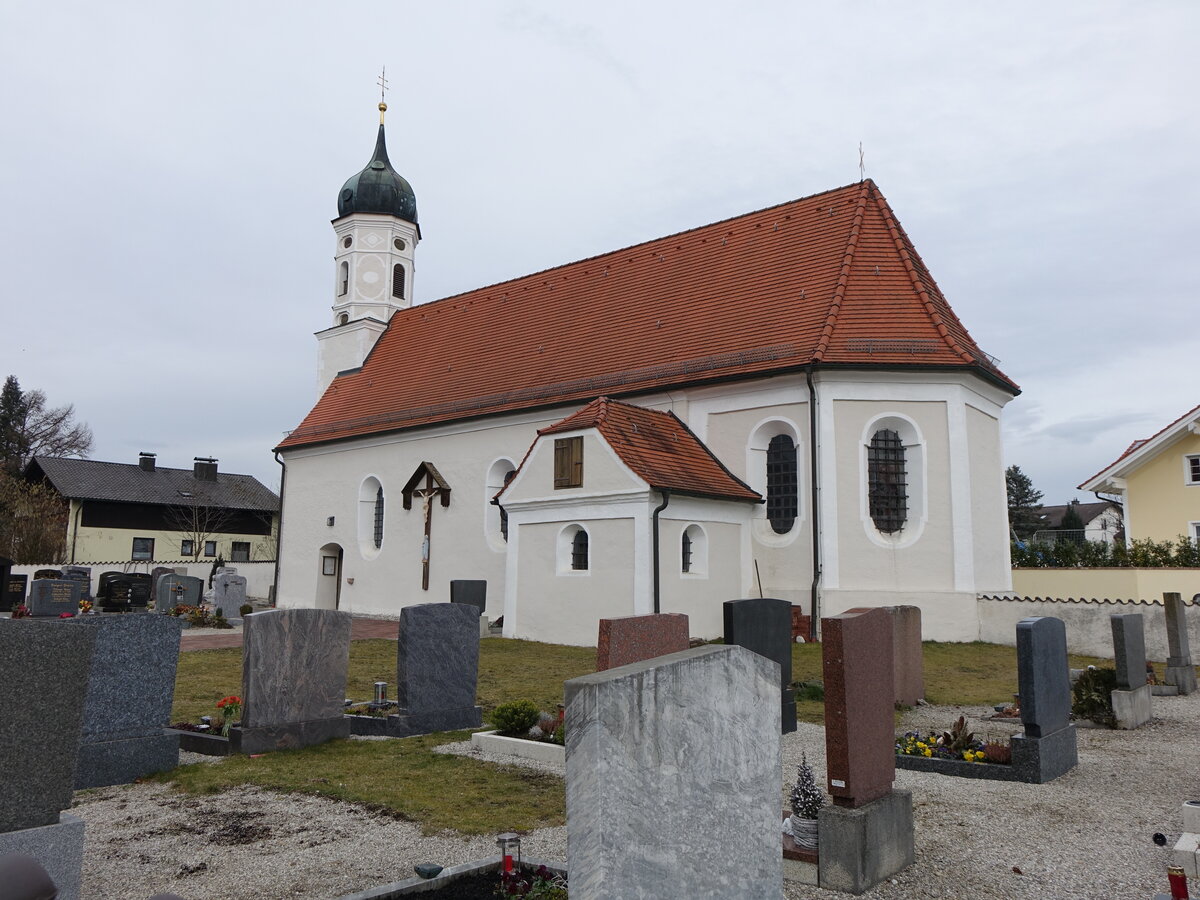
point(329, 584)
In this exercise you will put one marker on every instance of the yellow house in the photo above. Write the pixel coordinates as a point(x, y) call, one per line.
point(1159, 481)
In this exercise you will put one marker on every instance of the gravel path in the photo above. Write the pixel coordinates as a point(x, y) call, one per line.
point(1083, 837)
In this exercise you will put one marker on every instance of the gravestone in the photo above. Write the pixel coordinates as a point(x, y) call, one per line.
point(630, 639)
point(177, 590)
point(1131, 699)
point(1047, 748)
point(293, 679)
point(867, 835)
point(764, 625)
point(437, 669)
point(127, 708)
point(50, 661)
point(229, 592)
point(139, 589)
point(113, 594)
point(156, 573)
point(47, 573)
point(51, 597)
point(673, 778)
point(473, 592)
point(6, 565)
point(1180, 671)
point(14, 592)
point(907, 654)
point(82, 574)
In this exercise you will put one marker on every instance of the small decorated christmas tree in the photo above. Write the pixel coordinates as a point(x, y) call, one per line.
point(807, 799)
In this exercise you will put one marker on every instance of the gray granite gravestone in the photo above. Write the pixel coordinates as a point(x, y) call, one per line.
point(1131, 699)
point(128, 705)
point(437, 669)
point(51, 597)
point(293, 679)
point(177, 590)
point(1180, 670)
point(673, 778)
point(50, 661)
point(1047, 748)
point(764, 625)
point(82, 574)
point(229, 592)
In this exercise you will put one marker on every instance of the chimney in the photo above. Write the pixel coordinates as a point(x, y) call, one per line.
point(146, 461)
point(204, 468)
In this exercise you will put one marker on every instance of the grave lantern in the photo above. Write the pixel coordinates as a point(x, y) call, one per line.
point(510, 847)
point(380, 693)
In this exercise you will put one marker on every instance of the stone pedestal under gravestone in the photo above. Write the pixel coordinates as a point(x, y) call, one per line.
point(437, 669)
point(229, 592)
point(631, 639)
point(1047, 748)
point(128, 703)
point(764, 625)
point(907, 654)
point(50, 663)
point(1131, 699)
point(293, 679)
point(867, 834)
point(1180, 671)
point(51, 597)
point(177, 590)
point(673, 778)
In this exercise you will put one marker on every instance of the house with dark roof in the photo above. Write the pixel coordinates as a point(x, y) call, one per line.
point(143, 513)
point(1102, 521)
point(780, 404)
point(1158, 480)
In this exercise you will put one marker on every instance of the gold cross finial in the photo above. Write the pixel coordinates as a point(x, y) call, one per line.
point(383, 86)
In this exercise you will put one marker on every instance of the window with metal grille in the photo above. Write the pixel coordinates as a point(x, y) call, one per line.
point(568, 462)
point(378, 535)
point(782, 502)
point(508, 476)
point(686, 552)
point(579, 551)
point(887, 487)
point(398, 281)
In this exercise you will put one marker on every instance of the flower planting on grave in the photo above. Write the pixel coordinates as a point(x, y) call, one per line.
point(230, 708)
point(957, 743)
point(20, 611)
point(199, 617)
point(522, 719)
point(806, 800)
point(85, 607)
point(539, 883)
point(1091, 696)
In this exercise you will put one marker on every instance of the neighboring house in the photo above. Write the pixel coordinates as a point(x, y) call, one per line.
point(1159, 482)
point(779, 404)
point(1101, 521)
point(141, 513)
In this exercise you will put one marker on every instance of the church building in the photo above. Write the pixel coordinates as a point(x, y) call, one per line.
point(780, 404)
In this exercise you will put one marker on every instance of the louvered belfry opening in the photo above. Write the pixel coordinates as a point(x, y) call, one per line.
point(781, 483)
point(887, 481)
point(398, 281)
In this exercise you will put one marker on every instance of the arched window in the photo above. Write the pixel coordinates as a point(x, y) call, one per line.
point(344, 279)
point(579, 551)
point(693, 551)
point(887, 481)
point(398, 281)
point(378, 531)
point(781, 483)
point(685, 553)
point(508, 476)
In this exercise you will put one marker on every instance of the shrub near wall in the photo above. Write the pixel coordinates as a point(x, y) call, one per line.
point(1141, 554)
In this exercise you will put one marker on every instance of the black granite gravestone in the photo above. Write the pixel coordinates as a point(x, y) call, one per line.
point(473, 592)
point(14, 592)
point(764, 625)
point(1047, 748)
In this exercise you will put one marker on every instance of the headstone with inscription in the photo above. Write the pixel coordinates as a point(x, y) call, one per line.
point(139, 589)
point(14, 592)
point(82, 574)
point(177, 590)
point(229, 592)
point(51, 597)
point(113, 592)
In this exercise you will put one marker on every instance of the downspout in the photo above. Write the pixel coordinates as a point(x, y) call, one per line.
point(666, 495)
point(279, 536)
point(816, 506)
point(75, 530)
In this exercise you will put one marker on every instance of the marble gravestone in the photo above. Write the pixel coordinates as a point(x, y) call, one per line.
point(128, 704)
point(50, 661)
point(51, 597)
point(177, 590)
point(764, 625)
point(437, 669)
point(1180, 671)
point(293, 679)
point(673, 778)
point(229, 592)
point(1131, 699)
point(1047, 748)
point(631, 639)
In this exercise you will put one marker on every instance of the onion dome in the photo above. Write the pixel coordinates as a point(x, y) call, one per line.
point(378, 188)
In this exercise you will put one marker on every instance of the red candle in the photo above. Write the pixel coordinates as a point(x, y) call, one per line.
point(1178, 880)
point(508, 868)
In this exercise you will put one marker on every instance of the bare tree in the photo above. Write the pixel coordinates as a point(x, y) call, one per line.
point(198, 520)
point(33, 521)
point(29, 428)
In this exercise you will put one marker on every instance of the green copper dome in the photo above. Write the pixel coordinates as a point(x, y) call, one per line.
point(378, 189)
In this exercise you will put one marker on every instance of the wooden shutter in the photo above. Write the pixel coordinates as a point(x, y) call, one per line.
point(568, 462)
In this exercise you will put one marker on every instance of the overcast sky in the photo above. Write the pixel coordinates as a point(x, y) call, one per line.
point(168, 173)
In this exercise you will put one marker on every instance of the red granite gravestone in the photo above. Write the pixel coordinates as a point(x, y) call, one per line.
point(799, 623)
point(909, 661)
point(631, 639)
point(857, 663)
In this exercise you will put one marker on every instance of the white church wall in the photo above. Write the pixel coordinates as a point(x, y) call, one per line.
point(989, 504)
point(716, 576)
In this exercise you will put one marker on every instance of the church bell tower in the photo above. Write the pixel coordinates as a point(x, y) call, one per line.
point(376, 234)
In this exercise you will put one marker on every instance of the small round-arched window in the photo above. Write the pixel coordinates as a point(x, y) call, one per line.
point(574, 550)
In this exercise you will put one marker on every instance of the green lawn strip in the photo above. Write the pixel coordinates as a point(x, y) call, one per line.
point(528, 670)
point(202, 678)
point(402, 777)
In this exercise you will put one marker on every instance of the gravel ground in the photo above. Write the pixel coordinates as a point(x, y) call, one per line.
point(1083, 837)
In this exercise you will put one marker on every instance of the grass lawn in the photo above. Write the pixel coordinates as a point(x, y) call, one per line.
point(446, 791)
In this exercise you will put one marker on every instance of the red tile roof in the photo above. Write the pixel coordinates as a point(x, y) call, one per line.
point(659, 448)
point(830, 279)
point(1191, 415)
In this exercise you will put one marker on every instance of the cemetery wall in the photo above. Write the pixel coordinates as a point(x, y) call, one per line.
point(1088, 628)
point(1101, 584)
point(259, 575)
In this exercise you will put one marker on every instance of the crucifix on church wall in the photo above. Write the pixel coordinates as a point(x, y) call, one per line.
point(426, 484)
